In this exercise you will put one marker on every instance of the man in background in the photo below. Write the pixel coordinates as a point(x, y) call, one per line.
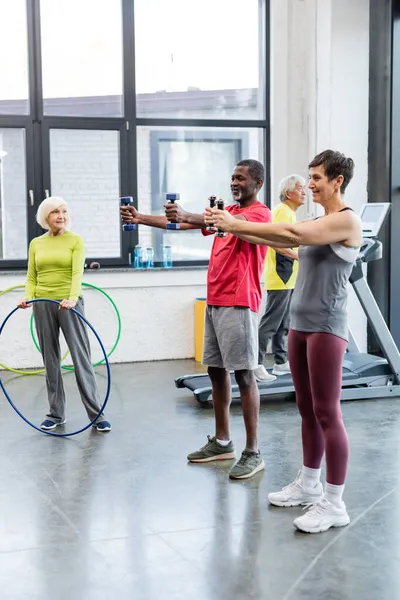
point(280, 277)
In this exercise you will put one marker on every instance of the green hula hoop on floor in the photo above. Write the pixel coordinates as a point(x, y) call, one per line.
point(21, 371)
point(100, 362)
point(40, 371)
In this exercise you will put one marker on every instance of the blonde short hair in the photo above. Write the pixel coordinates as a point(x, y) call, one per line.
point(46, 207)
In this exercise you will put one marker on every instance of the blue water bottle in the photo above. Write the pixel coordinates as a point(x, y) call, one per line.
point(127, 201)
point(150, 258)
point(138, 257)
point(171, 199)
point(167, 257)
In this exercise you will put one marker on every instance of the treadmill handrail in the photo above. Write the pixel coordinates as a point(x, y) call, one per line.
point(378, 325)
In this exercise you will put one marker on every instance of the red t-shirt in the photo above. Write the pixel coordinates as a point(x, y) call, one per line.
point(236, 267)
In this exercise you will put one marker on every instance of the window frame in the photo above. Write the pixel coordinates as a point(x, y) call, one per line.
point(37, 125)
point(175, 135)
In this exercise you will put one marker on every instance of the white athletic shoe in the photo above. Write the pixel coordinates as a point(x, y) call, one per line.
point(321, 516)
point(296, 494)
point(283, 369)
point(262, 374)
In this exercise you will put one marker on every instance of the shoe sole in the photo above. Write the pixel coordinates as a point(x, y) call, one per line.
point(345, 520)
point(104, 430)
point(259, 468)
point(53, 427)
point(226, 456)
point(294, 503)
point(281, 373)
point(265, 380)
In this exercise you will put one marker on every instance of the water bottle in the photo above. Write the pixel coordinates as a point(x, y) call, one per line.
point(212, 200)
point(220, 206)
point(167, 257)
point(138, 257)
point(171, 199)
point(150, 258)
point(127, 201)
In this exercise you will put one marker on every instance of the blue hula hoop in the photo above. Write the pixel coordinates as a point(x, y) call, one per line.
point(106, 363)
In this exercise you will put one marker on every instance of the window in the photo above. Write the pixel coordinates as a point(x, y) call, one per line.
point(82, 57)
point(190, 62)
point(14, 85)
point(13, 215)
point(110, 98)
point(85, 171)
point(196, 163)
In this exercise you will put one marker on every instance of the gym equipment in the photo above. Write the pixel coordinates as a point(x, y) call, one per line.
point(220, 204)
point(171, 199)
point(105, 359)
point(364, 375)
point(100, 362)
point(22, 371)
point(212, 200)
point(127, 201)
point(41, 371)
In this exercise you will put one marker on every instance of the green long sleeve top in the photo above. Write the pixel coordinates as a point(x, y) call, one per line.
point(55, 267)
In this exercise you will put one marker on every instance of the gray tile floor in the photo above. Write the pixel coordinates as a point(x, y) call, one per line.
point(123, 516)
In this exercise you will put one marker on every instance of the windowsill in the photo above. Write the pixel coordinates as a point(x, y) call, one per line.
point(121, 270)
point(117, 278)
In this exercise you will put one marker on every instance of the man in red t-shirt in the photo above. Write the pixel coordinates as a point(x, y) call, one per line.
point(231, 322)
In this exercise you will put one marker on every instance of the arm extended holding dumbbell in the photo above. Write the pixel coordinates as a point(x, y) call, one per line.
point(174, 214)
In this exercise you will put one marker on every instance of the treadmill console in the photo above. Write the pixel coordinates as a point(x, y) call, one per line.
point(373, 216)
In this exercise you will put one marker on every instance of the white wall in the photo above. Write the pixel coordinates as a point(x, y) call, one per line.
point(157, 313)
point(349, 121)
point(320, 88)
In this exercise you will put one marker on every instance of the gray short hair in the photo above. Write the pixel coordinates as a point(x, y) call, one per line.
point(288, 184)
point(46, 207)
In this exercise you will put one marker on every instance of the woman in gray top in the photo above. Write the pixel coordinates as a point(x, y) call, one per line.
point(328, 247)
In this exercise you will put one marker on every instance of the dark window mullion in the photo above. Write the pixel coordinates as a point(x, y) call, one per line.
point(34, 156)
point(17, 121)
point(196, 122)
point(98, 123)
point(129, 176)
point(265, 15)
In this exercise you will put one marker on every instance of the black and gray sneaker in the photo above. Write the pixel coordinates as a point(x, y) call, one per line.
point(248, 465)
point(212, 451)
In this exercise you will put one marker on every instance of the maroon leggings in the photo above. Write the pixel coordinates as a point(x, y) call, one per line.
point(316, 365)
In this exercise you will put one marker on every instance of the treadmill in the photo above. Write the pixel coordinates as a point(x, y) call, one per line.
point(364, 375)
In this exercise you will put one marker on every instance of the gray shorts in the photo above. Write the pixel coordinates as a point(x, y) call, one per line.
point(230, 338)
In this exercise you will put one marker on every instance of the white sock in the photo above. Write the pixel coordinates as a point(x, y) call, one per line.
point(223, 442)
point(310, 477)
point(333, 493)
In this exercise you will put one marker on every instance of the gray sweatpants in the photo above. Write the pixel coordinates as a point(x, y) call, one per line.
point(274, 324)
point(48, 320)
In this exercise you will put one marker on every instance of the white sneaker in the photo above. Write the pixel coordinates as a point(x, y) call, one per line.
point(283, 369)
point(262, 374)
point(296, 494)
point(321, 516)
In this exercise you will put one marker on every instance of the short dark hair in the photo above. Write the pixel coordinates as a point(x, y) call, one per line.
point(256, 169)
point(335, 164)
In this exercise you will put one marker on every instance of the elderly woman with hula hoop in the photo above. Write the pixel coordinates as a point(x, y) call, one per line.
point(55, 268)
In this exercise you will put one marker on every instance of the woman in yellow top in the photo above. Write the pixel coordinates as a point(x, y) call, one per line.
point(55, 267)
point(280, 275)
